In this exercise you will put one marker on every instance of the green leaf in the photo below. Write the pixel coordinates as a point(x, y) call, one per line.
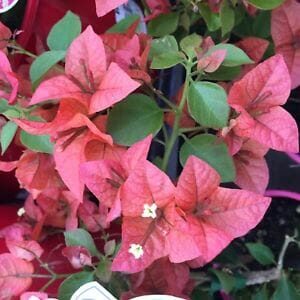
point(262, 294)
point(73, 283)
point(208, 105)
point(166, 60)
point(211, 19)
point(103, 271)
point(38, 143)
point(266, 4)
point(133, 119)
point(190, 43)
point(4, 105)
point(43, 63)
point(80, 237)
point(123, 25)
point(209, 148)
point(163, 25)
point(227, 16)
point(64, 32)
point(261, 253)
point(227, 281)
point(234, 57)
point(261, 26)
point(163, 45)
point(285, 290)
point(224, 73)
point(7, 135)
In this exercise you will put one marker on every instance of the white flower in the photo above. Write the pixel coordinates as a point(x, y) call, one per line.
point(136, 250)
point(149, 211)
point(21, 212)
point(34, 298)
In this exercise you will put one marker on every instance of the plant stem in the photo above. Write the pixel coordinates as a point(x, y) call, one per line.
point(161, 96)
point(287, 241)
point(283, 194)
point(178, 113)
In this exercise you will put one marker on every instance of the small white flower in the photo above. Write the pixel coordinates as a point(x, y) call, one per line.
point(21, 212)
point(136, 250)
point(149, 211)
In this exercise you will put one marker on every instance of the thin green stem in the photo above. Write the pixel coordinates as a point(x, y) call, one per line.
point(19, 50)
point(287, 241)
point(192, 129)
point(178, 114)
point(161, 96)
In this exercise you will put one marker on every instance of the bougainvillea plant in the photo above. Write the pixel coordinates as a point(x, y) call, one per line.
point(101, 144)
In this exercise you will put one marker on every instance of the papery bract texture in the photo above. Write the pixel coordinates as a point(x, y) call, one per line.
point(210, 220)
point(256, 98)
point(252, 171)
point(11, 283)
point(285, 29)
point(103, 7)
point(87, 78)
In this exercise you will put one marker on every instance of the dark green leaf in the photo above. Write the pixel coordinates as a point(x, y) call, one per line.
point(4, 105)
point(285, 290)
point(227, 281)
point(43, 63)
point(262, 24)
point(80, 237)
point(211, 19)
point(123, 25)
point(7, 135)
point(262, 294)
point(208, 105)
point(38, 143)
point(73, 283)
point(103, 271)
point(163, 25)
point(234, 57)
point(64, 32)
point(261, 253)
point(266, 4)
point(199, 294)
point(209, 148)
point(166, 60)
point(190, 43)
point(133, 119)
point(224, 73)
point(162, 45)
point(227, 17)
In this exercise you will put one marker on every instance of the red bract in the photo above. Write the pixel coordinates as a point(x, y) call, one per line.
point(257, 98)
point(157, 7)
point(15, 275)
point(87, 77)
point(78, 256)
point(19, 242)
point(36, 172)
point(147, 197)
point(53, 208)
point(5, 35)
point(210, 216)
point(73, 131)
point(163, 278)
point(195, 221)
point(254, 47)
point(132, 57)
point(94, 217)
point(103, 7)
point(8, 81)
point(252, 171)
point(104, 178)
point(285, 29)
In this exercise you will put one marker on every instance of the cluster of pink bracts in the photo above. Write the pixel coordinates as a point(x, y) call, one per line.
point(166, 228)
